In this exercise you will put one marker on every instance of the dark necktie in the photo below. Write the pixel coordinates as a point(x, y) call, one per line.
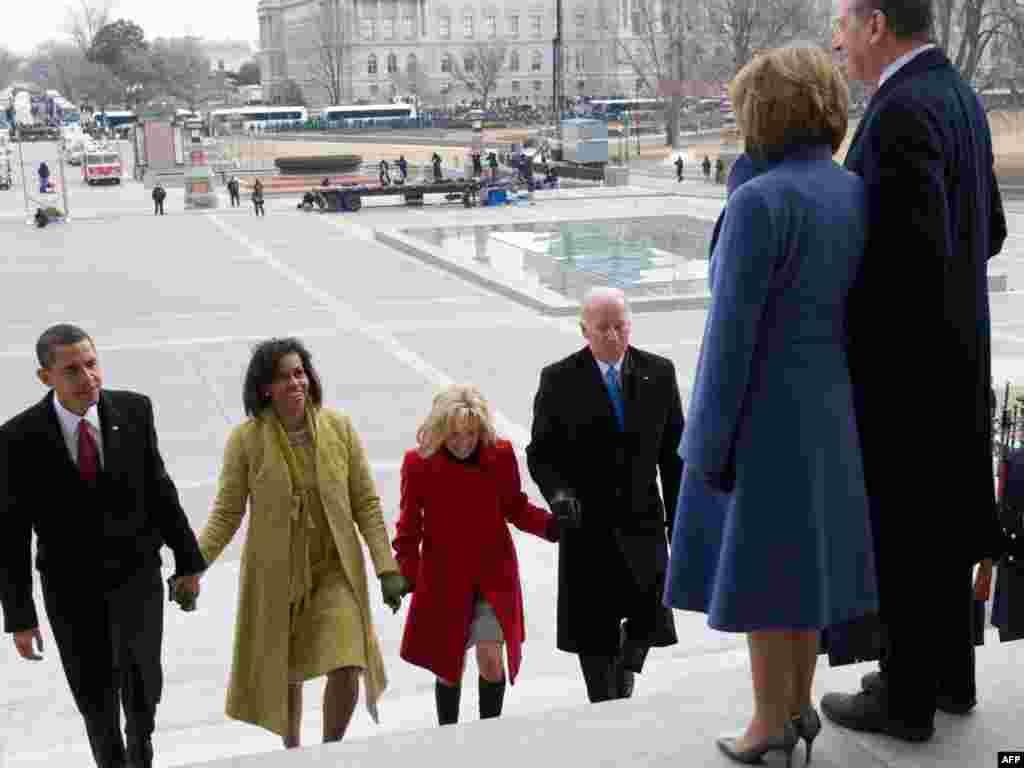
point(615, 393)
point(88, 453)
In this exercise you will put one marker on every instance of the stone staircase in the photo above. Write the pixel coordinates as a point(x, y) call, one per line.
point(680, 707)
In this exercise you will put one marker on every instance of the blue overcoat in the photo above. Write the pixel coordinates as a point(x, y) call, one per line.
point(789, 546)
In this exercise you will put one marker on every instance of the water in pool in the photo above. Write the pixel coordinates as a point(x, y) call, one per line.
point(645, 257)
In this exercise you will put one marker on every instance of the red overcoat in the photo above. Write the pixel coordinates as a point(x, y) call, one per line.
point(453, 543)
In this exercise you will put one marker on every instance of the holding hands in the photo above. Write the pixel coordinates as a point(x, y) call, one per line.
point(567, 511)
point(394, 587)
point(184, 590)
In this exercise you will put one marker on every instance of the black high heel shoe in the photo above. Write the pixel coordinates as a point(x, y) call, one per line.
point(755, 755)
point(807, 725)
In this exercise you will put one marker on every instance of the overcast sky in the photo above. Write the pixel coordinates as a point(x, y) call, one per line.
point(26, 23)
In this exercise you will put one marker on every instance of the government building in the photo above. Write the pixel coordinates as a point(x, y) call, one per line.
point(378, 50)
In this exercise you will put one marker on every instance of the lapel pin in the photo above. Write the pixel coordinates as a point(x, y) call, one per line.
point(115, 427)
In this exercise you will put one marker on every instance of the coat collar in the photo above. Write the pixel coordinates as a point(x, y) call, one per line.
point(325, 445)
point(111, 420)
point(933, 58)
point(632, 376)
point(49, 425)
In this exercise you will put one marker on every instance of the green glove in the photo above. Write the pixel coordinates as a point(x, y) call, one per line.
point(185, 600)
point(393, 585)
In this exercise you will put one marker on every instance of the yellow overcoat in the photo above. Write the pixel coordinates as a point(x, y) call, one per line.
point(255, 472)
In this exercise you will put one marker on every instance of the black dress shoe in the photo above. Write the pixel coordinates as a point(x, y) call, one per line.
point(868, 712)
point(625, 679)
point(874, 683)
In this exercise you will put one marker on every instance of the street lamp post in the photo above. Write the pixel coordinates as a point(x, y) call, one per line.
point(557, 73)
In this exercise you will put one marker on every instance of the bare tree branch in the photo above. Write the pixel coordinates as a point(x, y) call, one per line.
point(487, 62)
point(85, 20)
point(327, 68)
point(8, 66)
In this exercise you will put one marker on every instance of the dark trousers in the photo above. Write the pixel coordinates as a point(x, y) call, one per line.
point(110, 645)
point(928, 615)
point(606, 675)
point(158, 207)
point(258, 206)
point(234, 199)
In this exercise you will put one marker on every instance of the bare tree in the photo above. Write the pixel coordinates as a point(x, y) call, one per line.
point(669, 46)
point(8, 66)
point(327, 65)
point(966, 29)
point(752, 25)
point(60, 66)
point(1008, 54)
point(181, 69)
point(100, 88)
point(481, 70)
point(414, 82)
point(85, 19)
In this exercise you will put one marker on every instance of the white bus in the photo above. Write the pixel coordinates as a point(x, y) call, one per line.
point(258, 117)
point(612, 109)
point(367, 115)
point(118, 121)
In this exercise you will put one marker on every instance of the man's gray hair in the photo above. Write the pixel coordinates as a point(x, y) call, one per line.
point(602, 293)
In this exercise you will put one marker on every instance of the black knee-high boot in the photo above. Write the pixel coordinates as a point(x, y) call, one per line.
point(491, 697)
point(447, 698)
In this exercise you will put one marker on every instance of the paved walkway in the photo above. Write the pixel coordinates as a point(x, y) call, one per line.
point(175, 304)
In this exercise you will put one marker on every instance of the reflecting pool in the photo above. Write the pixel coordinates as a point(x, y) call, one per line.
point(645, 257)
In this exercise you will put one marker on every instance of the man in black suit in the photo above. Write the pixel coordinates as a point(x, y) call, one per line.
point(607, 422)
point(82, 469)
point(924, 151)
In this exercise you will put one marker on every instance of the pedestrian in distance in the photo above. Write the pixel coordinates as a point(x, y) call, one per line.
point(99, 569)
point(257, 198)
point(679, 168)
point(478, 168)
point(706, 166)
point(753, 439)
point(492, 161)
point(385, 173)
point(719, 170)
point(304, 603)
point(44, 178)
point(606, 425)
point(403, 168)
point(924, 150)
point(435, 160)
point(460, 490)
point(159, 195)
point(234, 192)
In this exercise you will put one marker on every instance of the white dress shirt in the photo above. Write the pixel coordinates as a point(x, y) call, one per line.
point(902, 61)
point(617, 365)
point(69, 426)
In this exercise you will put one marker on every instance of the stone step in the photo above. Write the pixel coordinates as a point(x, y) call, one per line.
point(673, 720)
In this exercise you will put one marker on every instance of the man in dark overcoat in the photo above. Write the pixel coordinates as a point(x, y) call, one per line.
point(607, 421)
point(935, 218)
point(82, 469)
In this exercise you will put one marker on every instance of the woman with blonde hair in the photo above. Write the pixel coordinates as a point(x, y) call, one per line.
point(460, 489)
point(303, 605)
point(772, 536)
